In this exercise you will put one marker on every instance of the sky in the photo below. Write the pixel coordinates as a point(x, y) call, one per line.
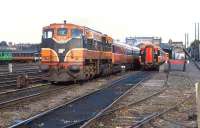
point(22, 20)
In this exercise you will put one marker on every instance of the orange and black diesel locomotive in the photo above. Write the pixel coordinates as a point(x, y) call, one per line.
point(151, 56)
point(71, 52)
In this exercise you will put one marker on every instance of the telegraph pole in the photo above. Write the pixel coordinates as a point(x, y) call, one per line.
point(198, 32)
point(198, 41)
point(185, 40)
point(195, 31)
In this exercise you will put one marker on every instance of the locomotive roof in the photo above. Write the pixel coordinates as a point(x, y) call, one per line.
point(70, 25)
point(87, 29)
point(56, 25)
point(126, 46)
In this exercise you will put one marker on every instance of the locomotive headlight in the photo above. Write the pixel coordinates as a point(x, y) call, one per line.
point(61, 51)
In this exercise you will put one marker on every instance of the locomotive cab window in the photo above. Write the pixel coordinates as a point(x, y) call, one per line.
point(76, 33)
point(62, 31)
point(47, 34)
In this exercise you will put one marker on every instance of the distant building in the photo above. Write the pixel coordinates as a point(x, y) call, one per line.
point(26, 47)
point(10, 43)
point(3, 44)
point(136, 41)
point(176, 44)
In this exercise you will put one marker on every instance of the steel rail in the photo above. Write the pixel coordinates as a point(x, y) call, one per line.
point(35, 94)
point(100, 114)
point(100, 92)
point(105, 113)
point(159, 114)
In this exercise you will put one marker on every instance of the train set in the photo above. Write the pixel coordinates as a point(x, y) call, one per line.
point(71, 52)
point(7, 56)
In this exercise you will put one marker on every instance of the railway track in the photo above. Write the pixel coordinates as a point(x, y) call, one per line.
point(25, 65)
point(166, 115)
point(21, 64)
point(86, 107)
point(152, 117)
point(12, 98)
point(10, 80)
point(12, 84)
point(14, 76)
point(123, 104)
point(3, 74)
point(6, 77)
point(15, 96)
point(15, 70)
point(18, 67)
point(135, 110)
point(112, 110)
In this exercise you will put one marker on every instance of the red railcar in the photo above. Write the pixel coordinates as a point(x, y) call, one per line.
point(152, 56)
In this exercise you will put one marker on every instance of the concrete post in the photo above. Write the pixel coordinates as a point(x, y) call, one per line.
point(195, 32)
point(199, 52)
point(197, 85)
point(169, 66)
point(198, 32)
point(184, 65)
point(10, 67)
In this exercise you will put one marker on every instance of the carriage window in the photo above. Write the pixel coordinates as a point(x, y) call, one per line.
point(107, 47)
point(62, 31)
point(90, 44)
point(47, 34)
point(117, 49)
point(76, 33)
